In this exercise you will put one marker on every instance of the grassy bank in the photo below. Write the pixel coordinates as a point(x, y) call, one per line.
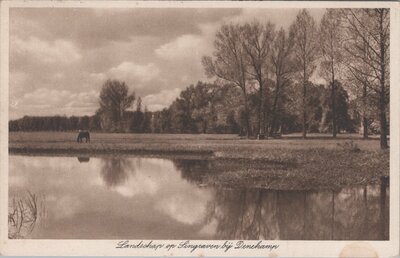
point(287, 163)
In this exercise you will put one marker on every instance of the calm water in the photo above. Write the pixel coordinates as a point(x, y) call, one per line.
point(151, 198)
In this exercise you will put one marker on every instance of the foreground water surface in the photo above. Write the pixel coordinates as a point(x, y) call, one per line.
point(150, 198)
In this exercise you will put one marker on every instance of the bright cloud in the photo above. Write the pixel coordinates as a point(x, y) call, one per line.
point(135, 75)
point(161, 100)
point(44, 96)
point(132, 71)
point(17, 82)
point(190, 47)
point(182, 48)
point(45, 101)
point(58, 51)
point(184, 54)
point(274, 16)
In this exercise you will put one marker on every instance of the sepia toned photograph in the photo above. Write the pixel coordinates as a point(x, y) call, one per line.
point(199, 123)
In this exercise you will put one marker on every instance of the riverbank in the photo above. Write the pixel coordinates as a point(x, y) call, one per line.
point(288, 163)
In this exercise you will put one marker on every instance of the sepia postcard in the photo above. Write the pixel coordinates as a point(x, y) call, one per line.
point(200, 128)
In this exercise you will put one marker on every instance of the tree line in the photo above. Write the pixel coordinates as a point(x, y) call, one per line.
point(111, 116)
point(205, 108)
point(264, 83)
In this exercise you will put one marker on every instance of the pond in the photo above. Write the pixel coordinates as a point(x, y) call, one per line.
point(128, 197)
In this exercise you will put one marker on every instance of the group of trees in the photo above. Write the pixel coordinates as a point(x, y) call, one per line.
point(114, 116)
point(264, 83)
point(214, 108)
point(349, 48)
point(201, 108)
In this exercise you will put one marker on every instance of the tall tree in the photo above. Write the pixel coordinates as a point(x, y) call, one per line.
point(137, 118)
point(282, 67)
point(343, 121)
point(147, 119)
point(331, 49)
point(257, 45)
point(360, 85)
point(181, 111)
point(204, 98)
point(114, 100)
point(368, 33)
point(304, 32)
point(229, 63)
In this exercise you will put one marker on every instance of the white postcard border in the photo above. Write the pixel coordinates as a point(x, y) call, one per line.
point(286, 248)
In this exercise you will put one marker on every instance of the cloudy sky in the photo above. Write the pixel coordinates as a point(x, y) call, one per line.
point(60, 57)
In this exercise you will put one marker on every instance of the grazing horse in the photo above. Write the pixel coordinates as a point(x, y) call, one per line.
point(83, 134)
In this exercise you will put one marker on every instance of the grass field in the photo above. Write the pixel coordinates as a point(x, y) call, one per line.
point(290, 162)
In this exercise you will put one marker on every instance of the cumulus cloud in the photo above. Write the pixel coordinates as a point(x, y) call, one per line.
point(185, 47)
point(45, 101)
point(272, 15)
point(190, 47)
point(137, 76)
point(97, 77)
point(18, 81)
point(57, 51)
point(161, 100)
point(65, 98)
point(130, 71)
point(184, 54)
point(45, 96)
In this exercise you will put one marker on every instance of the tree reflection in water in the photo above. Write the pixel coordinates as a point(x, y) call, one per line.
point(115, 171)
point(298, 215)
point(194, 171)
point(384, 208)
point(353, 213)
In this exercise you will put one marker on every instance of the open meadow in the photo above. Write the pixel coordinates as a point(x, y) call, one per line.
point(217, 144)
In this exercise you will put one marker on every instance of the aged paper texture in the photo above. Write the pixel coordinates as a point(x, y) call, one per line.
point(200, 128)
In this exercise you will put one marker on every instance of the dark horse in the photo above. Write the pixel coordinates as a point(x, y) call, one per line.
point(83, 134)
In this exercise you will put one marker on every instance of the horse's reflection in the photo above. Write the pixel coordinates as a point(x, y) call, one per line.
point(83, 159)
